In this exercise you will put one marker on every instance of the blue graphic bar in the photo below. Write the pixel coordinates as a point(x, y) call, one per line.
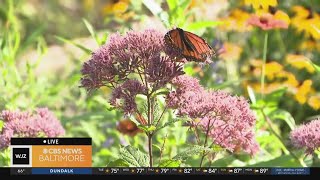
point(61, 171)
point(290, 171)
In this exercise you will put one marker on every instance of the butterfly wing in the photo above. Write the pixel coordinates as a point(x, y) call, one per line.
point(191, 46)
point(201, 50)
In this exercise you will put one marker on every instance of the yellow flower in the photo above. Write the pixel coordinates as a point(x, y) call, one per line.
point(272, 69)
point(232, 51)
point(291, 81)
point(120, 7)
point(264, 4)
point(269, 88)
point(314, 102)
point(315, 27)
point(301, 12)
point(198, 69)
point(303, 91)
point(236, 21)
point(115, 7)
point(280, 15)
point(310, 45)
point(88, 4)
point(307, 21)
point(300, 62)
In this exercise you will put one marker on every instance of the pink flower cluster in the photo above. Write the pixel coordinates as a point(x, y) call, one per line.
point(137, 56)
point(227, 118)
point(307, 136)
point(127, 93)
point(28, 124)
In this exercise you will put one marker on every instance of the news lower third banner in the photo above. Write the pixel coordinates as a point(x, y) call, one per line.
point(51, 152)
point(164, 171)
point(73, 156)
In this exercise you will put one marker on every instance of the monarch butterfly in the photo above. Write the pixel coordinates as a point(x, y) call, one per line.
point(191, 46)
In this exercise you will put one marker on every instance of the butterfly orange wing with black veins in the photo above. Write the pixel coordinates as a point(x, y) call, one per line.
point(191, 46)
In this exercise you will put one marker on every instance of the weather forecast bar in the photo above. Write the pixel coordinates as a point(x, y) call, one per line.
point(163, 171)
point(51, 141)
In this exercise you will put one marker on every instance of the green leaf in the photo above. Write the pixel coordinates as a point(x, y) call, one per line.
point(281, 161)
point(91, 129)
point(118, 163)
point(134, 157)
point(170, 163)
point(283, 115)
point(172, 4)
point(216, 148)
point(272, 99)
point(92, 31)
point(184, 4)
point(147, 128)
point(316, 67)
point(194, 150)
point(153, 7)
point(251, 95)
point(170, 122)
point(88, 51)
point(160, 92)
point(1, 124)
point(203, 24)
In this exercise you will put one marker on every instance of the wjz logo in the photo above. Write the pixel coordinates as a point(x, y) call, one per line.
point(20, 156)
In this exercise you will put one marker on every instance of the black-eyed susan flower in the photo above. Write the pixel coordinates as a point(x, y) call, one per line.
point(264, 4)
point(276, 75)
point(272, 69)
point(231, 51)
point(118, 8)
point(305, 20)
point(300, 62)
point(314, 102)
point(236, 21)
point(310, 45)
point(302, 92)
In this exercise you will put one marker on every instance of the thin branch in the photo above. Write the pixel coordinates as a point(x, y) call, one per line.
point(158, 121)
point(205, 143)
point(162, 147)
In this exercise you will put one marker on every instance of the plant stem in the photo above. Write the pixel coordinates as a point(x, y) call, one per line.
point(264, 59)
point(150, 118)
point(205, 143)
point(280, 139)
point(150, 149)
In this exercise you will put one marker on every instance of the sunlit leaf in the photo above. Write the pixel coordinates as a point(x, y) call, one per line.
point(147, 128)
point(118, 163)
point(283, 115)
point(92, 31)
point(172, 4)
point(251, 95)
point(202, 24)
point(134, 157)
point(193, 150)
point(316, 67)
point(170, 163)
point(153, 6)
point(184, 4)
point(170, 122)
point(86, 50)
